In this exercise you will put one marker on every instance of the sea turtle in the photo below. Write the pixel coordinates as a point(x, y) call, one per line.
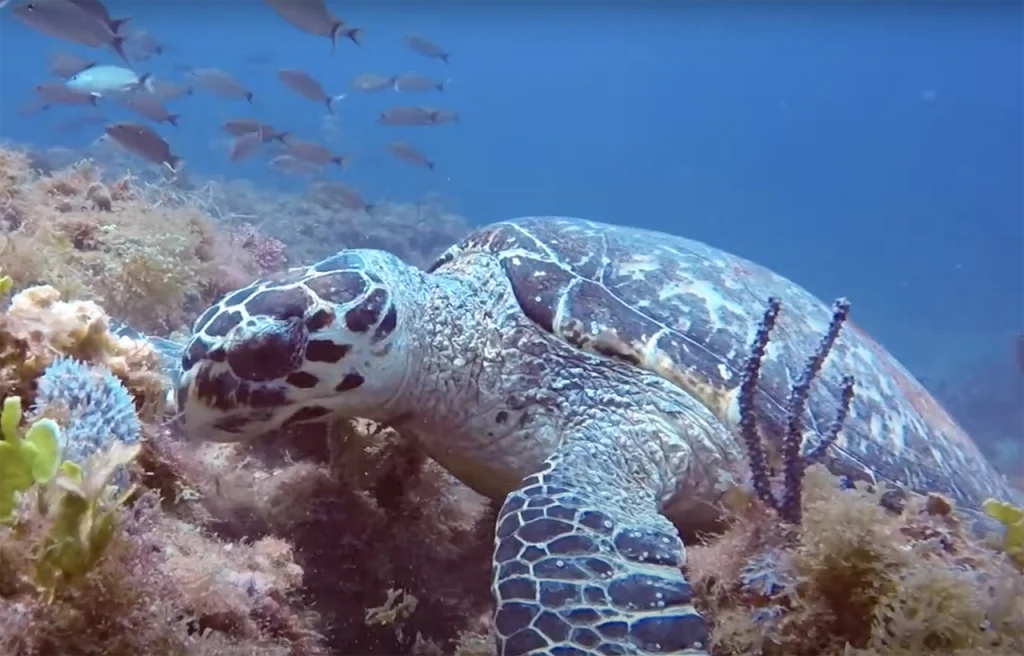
point(587, 375)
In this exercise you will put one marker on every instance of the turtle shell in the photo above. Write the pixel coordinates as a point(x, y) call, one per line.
point(689, 312)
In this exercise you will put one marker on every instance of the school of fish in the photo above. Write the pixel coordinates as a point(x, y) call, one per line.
point(87, 81)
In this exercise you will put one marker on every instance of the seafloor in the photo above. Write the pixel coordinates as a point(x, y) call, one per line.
point(349, 541)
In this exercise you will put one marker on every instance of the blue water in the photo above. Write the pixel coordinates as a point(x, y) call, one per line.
point(872, 150)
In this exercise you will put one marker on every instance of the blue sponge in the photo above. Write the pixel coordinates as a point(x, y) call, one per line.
point(101, 409)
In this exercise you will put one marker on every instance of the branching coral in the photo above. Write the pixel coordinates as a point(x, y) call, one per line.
point(794, 461)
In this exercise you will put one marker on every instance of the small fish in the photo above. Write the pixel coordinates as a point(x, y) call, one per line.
point(313, 153)
point(371, 82)
point(144, 142)
point(243, 147)
point(294, 166)
point(169, 90)
point(66, 20)
point(313, 17)
point(218, 82)
point(99, 11)
point(301, 83)
point(414, 82)
point(426, 48)
point(350, 198)
point(242, 126)
point(408, 153)
point(142, 46)
point(443, 116)
point(418, 115)
point(64, 65)
point(101, 80)
point(149, 105)
point(57, 93)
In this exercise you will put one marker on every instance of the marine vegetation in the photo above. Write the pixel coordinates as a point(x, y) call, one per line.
point(845, 572)
point(152, 266)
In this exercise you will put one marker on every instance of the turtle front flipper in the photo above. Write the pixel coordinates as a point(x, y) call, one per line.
point(584, 566)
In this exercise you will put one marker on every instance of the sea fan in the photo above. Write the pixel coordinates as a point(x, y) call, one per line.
point(97, 407)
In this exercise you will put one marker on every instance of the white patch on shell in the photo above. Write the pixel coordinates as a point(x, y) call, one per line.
point(637, 266)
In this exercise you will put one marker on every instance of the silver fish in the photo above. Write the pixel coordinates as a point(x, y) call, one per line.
point(242, 126)
point(294, 166)
point(66, 20)
point(143, 142)
point(350, 198)
point(245, 146)
point(313, 17)
point(219, 83)
point(301, 83)
point(103, 80)
point(408, 153)
point(370, 82)
point(417, 115)
point(149, 105)
point(57, 93)
point(414, 82)
point(313, 153)
point(426, 48)
point(65, 65)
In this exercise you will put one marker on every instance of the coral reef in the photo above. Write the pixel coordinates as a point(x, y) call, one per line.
point(396, 553)
point(38, 327)
point(320, 223)
point(844, 574)
point(346, 539)
point(153, 265)
point(86, 568)
point(856, 578)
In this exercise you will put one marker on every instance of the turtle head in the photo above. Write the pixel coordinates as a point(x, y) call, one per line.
point(308, 344)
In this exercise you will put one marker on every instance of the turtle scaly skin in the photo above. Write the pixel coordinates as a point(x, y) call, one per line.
point(587, 374)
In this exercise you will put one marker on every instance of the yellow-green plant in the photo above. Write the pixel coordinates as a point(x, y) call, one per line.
point(5, 285)
point(25, 459)
point(83, 505)
point(1012, 519)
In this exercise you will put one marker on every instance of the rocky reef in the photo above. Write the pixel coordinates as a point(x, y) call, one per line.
point(121, 537)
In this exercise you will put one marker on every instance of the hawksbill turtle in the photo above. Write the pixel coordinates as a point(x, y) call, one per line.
point(497, 360)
